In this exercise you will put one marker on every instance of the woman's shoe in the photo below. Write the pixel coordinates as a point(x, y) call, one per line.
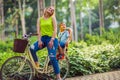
point(37, 65)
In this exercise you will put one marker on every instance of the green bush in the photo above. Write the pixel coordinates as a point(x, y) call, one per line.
point(5, 55)
point(111, 36)
point(6, 45)
point(115, 63)
point(92, 59)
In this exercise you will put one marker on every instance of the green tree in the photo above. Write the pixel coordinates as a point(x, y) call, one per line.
point(112, 11)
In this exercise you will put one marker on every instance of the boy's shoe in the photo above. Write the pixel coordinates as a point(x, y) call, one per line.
point(60, 56)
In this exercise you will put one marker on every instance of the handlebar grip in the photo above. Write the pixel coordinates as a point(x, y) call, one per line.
point(34, 34)
point(26, 36)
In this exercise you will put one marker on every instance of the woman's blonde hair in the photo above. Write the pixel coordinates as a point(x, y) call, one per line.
point(48, 8)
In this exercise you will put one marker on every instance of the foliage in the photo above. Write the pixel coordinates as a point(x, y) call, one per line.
point(115, 63)
point(115, 60)
point(93, 59)
point(5, 46)
point(110, 36)
point(112, 9)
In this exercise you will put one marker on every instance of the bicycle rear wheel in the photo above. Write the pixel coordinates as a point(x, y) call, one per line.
point(17, 68)
point(64, 68)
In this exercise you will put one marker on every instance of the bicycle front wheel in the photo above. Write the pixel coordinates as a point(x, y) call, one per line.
point(17, 68)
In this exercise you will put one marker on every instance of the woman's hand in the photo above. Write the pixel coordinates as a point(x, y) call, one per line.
point(40, 44)
point(51, 43)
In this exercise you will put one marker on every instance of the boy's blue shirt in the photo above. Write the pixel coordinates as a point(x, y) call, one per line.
point(63, 36)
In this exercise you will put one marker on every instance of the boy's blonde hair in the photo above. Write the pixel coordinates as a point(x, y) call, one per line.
point(62, 23)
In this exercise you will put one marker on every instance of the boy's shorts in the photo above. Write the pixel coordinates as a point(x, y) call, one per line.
point(62, 44)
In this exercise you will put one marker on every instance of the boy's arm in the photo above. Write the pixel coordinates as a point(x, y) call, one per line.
point(68, 40)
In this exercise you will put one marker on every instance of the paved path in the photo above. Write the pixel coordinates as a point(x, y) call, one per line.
point(113, 75)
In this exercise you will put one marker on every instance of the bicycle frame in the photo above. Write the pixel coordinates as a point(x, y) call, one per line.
point(27, 55)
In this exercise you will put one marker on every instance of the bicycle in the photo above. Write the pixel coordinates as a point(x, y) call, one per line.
point(23, 67)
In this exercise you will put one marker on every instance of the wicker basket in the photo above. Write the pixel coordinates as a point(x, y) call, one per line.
point(20, 45)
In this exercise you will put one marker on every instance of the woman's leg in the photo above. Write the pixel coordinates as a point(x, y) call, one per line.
point(33, 49)
point(54, 61)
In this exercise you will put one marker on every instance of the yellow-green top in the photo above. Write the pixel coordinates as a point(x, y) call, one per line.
point(46, 27)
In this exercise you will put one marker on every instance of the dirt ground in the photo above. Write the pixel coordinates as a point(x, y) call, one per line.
point(113, 75)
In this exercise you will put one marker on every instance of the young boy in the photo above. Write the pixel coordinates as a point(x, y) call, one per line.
point(64, 39)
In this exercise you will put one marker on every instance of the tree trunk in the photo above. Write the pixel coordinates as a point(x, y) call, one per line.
point(53, 3)
point(73, 21)
point(16, 26)
point(90, 28)
point(101, 16)
point(1, 13)
point(89, 15)
point(2, 34)
point(41, 6)
point(38, 5)
point(81, 24)
point(22, 16)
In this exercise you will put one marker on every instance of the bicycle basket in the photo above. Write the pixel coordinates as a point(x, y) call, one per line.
point(20, 45)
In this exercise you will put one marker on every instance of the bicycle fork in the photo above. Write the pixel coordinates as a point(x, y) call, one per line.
point(45, 68)
point(22, 64)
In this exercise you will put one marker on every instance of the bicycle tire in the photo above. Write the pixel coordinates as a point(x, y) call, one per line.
point(64, 68)
point(9, 69)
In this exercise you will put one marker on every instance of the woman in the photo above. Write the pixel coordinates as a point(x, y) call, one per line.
point(47, 30)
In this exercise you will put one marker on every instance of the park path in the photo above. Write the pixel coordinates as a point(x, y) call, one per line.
point(113, 75)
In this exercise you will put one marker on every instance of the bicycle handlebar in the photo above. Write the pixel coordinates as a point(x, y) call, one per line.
point(26, 36)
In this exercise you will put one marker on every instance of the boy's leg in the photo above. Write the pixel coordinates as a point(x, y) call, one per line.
point(60, 49)
point(62, 46)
